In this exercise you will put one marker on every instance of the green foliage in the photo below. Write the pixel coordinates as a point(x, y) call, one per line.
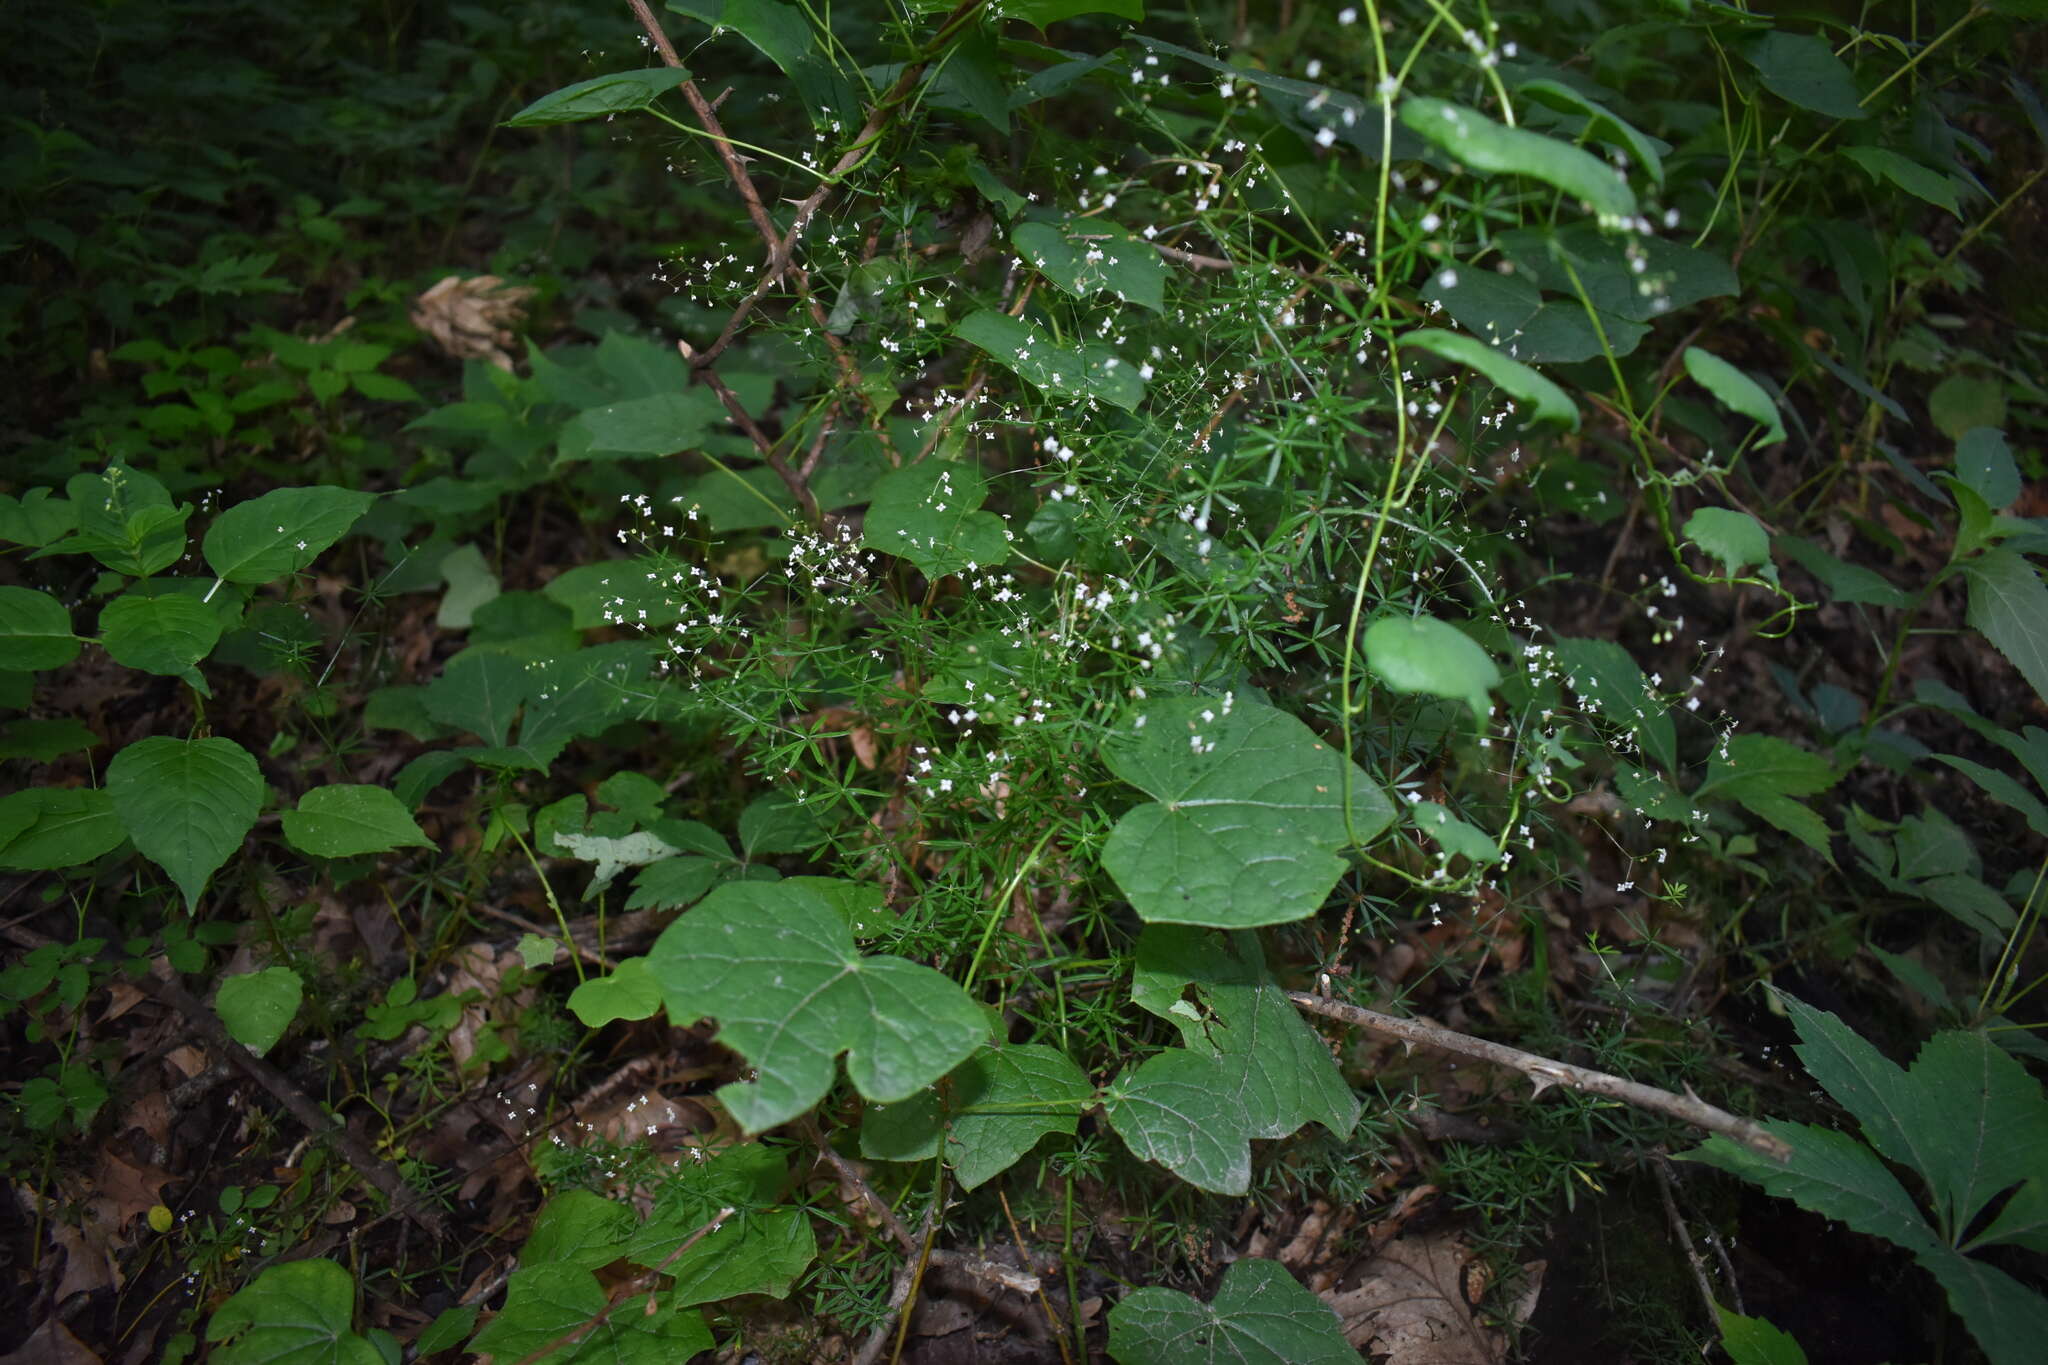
point(1968, 1121)
point(1066, 593)
point(1260, 1316)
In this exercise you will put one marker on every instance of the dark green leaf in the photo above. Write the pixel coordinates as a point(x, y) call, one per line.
point(1261, 1315)
point(601, 96)
point(187, 804)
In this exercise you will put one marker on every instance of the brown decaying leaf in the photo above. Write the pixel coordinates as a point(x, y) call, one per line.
point(472, 318)
point(1417, 1305)
point(51, 1344)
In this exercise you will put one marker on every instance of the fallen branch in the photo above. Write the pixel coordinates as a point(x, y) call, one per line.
point(1687, 1108)
point(381, 1174)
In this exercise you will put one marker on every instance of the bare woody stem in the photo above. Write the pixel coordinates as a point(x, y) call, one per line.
point(1687, 1108)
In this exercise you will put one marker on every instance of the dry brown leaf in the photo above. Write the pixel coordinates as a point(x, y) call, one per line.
point(1416, 1305)
point(51, 1344)
point(472, 318)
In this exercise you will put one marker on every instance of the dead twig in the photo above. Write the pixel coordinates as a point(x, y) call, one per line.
point(1683, 1236)
point(1687, 1108)
point(381, 1174)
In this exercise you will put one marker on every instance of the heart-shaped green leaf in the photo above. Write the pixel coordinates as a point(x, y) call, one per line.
point(1261, 1315)
point(775, 964)
point(187, 804)
point(1247, 814)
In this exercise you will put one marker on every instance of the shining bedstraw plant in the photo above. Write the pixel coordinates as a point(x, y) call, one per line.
point(1059, 607)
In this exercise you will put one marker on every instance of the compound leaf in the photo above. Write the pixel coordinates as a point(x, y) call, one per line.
point(775, 964)
point(1246, 818)
point(187, 804)
point(1261, 1315)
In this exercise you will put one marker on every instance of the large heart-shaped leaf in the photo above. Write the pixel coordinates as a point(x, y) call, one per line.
point(986, 1114)
point(1261, 1315)
point(297, 1313)
point(187, 804)
point(1247, 813)
point(775, 964)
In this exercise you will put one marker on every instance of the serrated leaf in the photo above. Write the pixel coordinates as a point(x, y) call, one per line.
point(929, 514)
point(259, 1006)
point(1604, 673)
point(1491, 148)
point(46, 828)
point(1736, 390)
point(35, 631)
point(600, 96)
point(1261, 1315)
point(674, 883)
point(980, 1146)
point(783, 34)
point(628, 991)
point(1549, 402)
point(164, 633)
point(2008, 1319)
point(1734, 538)
point(777, 823)
point(1411, 654)
point(1092, 371)
point(281, 532)
point(344, 820)
point(2010, 606)
point(776, 965)
point(297, 1313)
point(1247, 813)
point(1831, 1174)
point(479, 693)
point(187, 804)
point(1805, 71)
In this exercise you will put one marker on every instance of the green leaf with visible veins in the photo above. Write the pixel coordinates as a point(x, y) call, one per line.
point(2010, 606)
point(297, 1313)
point(187, 804)
point(980, 1146)
point(1261, 1315)
point(281, 532)
point(775, 964)
point(343, 820)
point(1247, 814)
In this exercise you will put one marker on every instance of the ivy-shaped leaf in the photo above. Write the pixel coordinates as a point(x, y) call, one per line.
point(929, 514)
point(281, 532)
point(627, 991)
point(1261, 1315)
point(776, 965)
point(297, 1313)
point(187, 804)
point(1246, 817)
point(1249, 1067)
point(982, 1145)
